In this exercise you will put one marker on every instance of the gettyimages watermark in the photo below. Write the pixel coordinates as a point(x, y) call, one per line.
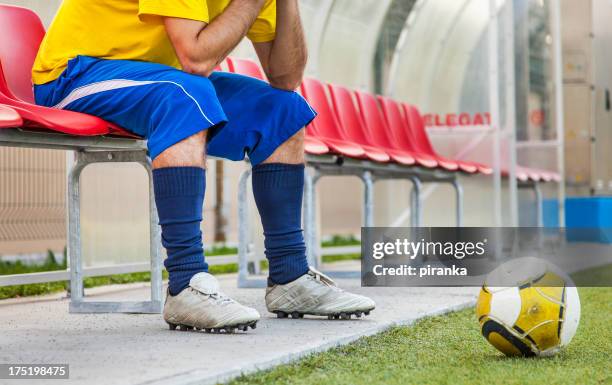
point(467, 256)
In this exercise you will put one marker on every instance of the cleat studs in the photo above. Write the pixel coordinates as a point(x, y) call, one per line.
point(185, 328)
point(172, 326)
point(254, 325)
point(330, 317)
point(295, 314)
point(245, 328)
point(367, 312)
point(358, 314)
point(345, 316)
point(207, 330)
point(281, 314)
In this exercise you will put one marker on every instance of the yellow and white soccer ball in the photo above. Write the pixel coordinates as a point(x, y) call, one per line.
point(537, 316)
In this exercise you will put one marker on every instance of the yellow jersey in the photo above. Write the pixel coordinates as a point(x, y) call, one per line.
point(128, 30)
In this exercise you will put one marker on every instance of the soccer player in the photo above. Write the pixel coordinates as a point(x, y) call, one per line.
point(148, 66)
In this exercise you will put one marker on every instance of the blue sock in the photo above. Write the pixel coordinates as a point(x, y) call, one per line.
point(179, 195)
point(278, 190)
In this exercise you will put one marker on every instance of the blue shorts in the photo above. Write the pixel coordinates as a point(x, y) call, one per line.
point(164, 105)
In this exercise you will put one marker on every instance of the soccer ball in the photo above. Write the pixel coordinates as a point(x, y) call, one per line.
point(537, 316)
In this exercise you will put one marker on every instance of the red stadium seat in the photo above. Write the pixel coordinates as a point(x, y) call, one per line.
point(9, 117)
point(21, 33)
point(398, 128)
point(527, 174)
point(378, 130)
point(353, 125)
point(521, 173)
point(314, 146)
point(250, 68)
point(326, 127)
point(422, 143)
point(245, 67)
point(66, 122)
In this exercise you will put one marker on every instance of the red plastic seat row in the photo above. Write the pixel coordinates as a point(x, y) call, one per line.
point(421, 139)
point(21, 33)
point(527, 174)
point(382, 134)
point(523, 174)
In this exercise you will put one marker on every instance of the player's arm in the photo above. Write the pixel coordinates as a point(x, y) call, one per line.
point(200, 47)
point(284, 58)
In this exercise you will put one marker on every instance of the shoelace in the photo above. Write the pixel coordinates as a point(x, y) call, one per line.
point(218, 296)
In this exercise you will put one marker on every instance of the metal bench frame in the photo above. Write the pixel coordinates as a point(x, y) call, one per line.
point(331, 165)
point(90, 150)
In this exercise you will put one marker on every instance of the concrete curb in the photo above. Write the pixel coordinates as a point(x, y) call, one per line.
point(202, 377)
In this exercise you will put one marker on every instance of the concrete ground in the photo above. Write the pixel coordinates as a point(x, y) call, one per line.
point(139, 349)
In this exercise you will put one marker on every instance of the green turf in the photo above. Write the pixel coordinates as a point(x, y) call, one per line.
point(597, 276)
point(450, 350)
point(341, 240)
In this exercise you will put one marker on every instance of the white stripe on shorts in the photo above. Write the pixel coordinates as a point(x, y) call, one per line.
point(115, 84)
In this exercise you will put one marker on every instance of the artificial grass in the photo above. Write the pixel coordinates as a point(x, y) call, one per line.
point(341, 240)
point(450, 350)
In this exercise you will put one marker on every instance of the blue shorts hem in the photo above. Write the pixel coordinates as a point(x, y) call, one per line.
point(185, 132)
point(265, 151)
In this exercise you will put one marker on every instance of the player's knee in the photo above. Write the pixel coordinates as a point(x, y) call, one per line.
point(291, 151)
point(295, 144)
point(291, 105)
point(190, 152)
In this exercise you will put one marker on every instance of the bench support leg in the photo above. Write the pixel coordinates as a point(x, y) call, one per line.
point(309, 220)
point(78, 304)
point(458, 201)
point(368, 199)
point(243, 235)
point(538, 204)
point(416, 204)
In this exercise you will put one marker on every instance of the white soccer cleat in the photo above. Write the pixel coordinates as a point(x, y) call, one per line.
point(315, 294)
point(202, 306)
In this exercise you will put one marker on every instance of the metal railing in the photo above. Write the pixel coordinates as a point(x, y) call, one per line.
point(99, 271)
